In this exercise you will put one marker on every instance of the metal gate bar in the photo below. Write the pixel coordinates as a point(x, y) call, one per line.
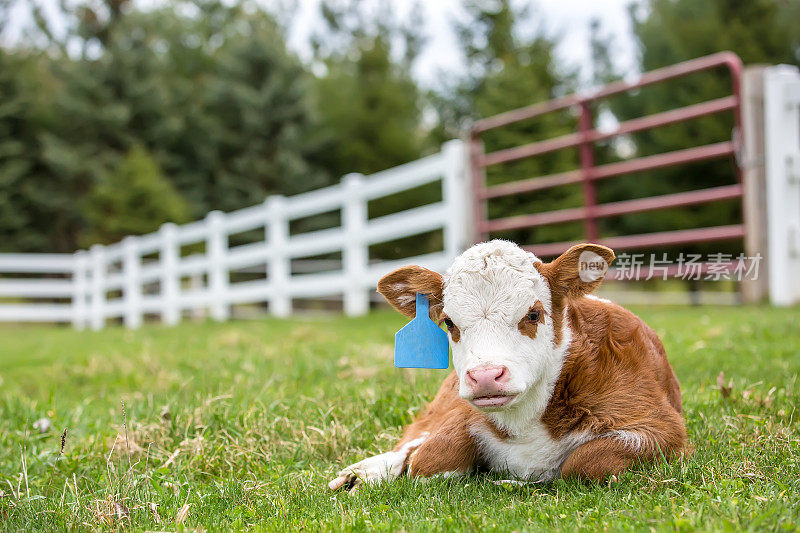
point(725, 192)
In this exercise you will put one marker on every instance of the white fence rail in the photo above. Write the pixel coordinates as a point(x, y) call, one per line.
point(148, 275)
point(26, 289)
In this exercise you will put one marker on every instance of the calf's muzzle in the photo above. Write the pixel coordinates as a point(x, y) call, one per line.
point(487, 380)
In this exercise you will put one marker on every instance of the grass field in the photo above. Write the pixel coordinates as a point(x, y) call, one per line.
point(242, 424)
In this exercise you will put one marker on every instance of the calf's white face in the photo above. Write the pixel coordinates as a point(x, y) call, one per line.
point(497, 302)
point(497, 308)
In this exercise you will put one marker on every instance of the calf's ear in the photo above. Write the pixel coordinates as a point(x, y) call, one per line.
point(579, 270)
point(401, 286)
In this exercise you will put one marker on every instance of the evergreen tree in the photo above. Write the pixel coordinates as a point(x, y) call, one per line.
point(215, 97)
point(367, 101)
point(133, 200)
point(208, 89)
point(508, 69)
point(370, 108)
point(37, 199)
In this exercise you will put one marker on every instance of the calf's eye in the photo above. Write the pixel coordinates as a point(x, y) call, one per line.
point(533, 316)
point(455, 334)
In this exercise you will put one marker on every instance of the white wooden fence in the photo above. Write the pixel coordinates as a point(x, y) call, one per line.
point(117, 281)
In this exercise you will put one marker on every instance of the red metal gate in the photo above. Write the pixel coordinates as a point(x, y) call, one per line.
point(589, 173)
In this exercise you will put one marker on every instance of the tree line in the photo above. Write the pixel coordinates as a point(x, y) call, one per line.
point(122, 118)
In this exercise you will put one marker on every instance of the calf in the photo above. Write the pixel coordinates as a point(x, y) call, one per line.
point(548, 380)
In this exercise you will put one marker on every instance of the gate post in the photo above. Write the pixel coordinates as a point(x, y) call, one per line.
point(477, 180)
point(170, 281)
point(754, 180)
point(782, 150)
point(80, 288)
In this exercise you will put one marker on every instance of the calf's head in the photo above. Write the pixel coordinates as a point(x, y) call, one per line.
point(504, 312)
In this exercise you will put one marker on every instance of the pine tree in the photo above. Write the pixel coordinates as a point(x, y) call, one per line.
point(208, 89)
point(133, 200)
point(367, 100)
point(508, 70)
point(370, 108)
point(37, 212)
point(216, 98)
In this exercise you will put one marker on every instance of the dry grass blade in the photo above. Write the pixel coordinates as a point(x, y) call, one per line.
point(110, 466)
point(13, 492)
point(103, 512)
point(182, 514)
point(171, 458)
point(75, 488)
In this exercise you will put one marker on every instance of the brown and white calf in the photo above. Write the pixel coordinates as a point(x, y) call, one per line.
point(548, 380)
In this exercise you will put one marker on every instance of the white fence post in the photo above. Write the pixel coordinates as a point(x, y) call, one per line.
point(132, 291)
point(782, 155)
point(170, 281)
point(355, 255)
point(218, 277)
point(454, 195)
point(197, 312)
point(80, 290)
point(279, 263)
point(97, 318)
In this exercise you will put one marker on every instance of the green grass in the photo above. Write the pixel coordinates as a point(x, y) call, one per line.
point(245, 422)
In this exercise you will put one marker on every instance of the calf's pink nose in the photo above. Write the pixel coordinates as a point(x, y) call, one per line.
point(487, 380)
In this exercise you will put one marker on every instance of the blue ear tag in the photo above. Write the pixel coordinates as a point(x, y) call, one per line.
point(421, 343)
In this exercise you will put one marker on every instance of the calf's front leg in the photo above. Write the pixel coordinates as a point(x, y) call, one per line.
point(438, 442)
point(449, 450)
point(381, 467)
point(446, 449)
